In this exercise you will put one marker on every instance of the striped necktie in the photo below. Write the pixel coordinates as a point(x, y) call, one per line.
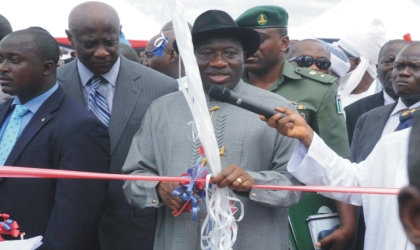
point(97, 102)
point(11, 133)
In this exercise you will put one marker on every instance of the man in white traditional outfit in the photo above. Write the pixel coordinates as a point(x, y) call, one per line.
point(252, 152)
point(362, 48)
point(314, 163)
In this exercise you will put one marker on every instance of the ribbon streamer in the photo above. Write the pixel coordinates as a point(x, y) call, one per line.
point(24, 172)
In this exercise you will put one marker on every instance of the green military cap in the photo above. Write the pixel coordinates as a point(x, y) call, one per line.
point(262, 17)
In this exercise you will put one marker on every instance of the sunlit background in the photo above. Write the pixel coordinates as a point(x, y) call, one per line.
point(141, 19)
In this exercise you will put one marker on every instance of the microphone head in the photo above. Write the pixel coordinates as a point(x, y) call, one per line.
point(219, 93)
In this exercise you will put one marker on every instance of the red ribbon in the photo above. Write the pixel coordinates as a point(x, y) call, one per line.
point(23, 172)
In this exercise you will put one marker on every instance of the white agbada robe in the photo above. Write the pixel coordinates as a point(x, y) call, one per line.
point(386, 166)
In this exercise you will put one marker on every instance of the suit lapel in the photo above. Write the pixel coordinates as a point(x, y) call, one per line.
point(71, 82)
point(40, 118)
point(5, 110)
point(127, 94)
point(380, 121)
point(378, 100)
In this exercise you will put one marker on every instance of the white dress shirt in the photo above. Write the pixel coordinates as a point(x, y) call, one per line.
point(387, 98)
point(107, 89)
point(394, 118)
point(386, 166)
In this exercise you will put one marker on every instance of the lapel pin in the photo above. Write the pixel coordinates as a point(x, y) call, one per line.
point(43, 119)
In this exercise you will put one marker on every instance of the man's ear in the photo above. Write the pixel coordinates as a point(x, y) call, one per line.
point(284, 43)
point(120, 30)
point(409, 207)
point(357, 61)
point(244, 56)
point(173, 56)
point(49, 68)
point(70, 37)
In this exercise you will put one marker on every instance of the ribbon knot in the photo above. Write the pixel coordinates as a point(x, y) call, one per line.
point(191, 191)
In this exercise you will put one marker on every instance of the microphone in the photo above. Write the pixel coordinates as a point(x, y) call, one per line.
point(223, 94)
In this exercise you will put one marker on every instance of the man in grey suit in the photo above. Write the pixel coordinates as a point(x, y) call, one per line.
point(384, 120)
point(253, 153)
point(118, 92)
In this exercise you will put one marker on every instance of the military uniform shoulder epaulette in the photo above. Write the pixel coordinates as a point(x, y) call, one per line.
point(315, 75)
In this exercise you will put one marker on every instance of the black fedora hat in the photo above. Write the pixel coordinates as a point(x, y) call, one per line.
point(217, 22)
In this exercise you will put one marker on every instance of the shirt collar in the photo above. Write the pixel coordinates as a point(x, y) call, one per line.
point(400, 106)
point(387, 99)
point(288, 71)
point(34, 104)
point(85, 74)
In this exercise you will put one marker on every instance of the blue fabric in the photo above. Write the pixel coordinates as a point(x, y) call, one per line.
point(158, 50)
point(123, 40)
point(33, 106)
point(97, 102)
point(11, 133)
point(406, 119)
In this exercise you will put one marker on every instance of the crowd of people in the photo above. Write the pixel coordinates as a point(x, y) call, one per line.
point(351, 120)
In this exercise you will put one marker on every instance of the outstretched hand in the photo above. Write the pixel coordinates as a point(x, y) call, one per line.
point(293, 125)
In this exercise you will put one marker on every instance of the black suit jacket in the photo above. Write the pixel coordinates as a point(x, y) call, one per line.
point(66, 212)
point(358, 108)
point(124, 226)
point(368, 131)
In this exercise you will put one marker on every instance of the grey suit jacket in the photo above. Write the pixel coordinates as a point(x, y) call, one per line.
point(164, 146)
point(137, 87)
point(368, 131)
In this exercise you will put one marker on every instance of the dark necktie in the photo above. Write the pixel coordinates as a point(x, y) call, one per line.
point(406, 119)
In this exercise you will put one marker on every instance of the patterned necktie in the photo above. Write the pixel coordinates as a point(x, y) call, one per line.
point(97, 102)
point(11, 133)
point(406, 119)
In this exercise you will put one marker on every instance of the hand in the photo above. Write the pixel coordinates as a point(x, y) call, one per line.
point(337, 240)
point(293, 125)
point(164, 190)
point(234, 177)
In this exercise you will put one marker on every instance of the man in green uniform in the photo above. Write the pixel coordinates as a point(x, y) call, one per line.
point(314, 94)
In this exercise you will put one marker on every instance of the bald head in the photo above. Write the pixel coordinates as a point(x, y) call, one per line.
point(5, 27)
point(306, 45)
point(169, 26)
point(393, 45)
point(406, 74)
point(386, 60)
point(88, 14)
point(94, 31)
point(168, 64)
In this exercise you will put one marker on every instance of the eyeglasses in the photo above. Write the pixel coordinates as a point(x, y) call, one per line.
point(306, 61)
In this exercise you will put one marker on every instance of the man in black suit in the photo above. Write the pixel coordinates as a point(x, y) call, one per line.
point(386, 60)
point(128, 89)
point(44, 128)
point(383, 120)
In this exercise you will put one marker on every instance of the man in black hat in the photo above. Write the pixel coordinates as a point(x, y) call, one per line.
point(252, 152)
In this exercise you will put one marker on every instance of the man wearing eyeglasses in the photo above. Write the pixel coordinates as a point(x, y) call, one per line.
point(312, 92)
point(312, 54)
point(118, 92)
